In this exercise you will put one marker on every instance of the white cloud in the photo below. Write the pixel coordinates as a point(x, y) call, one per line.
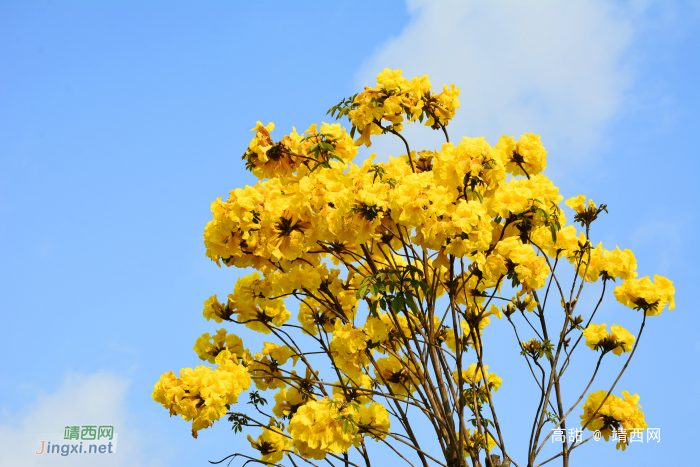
point(82, 400)
point(551, 67)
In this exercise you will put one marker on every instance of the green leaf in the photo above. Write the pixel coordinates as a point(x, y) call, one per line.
point(373, 308)
point(397, 304)
point(412, 305)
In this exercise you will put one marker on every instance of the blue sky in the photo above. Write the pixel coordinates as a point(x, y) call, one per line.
point(120, 122)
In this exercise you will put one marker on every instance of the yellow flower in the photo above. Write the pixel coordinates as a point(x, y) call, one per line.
point(201, 395)
point(269, 160)
point(316, 430)
point(577, 203)
point(620, 264)
point(394, 337)
point(624, 339)
point(208, 348)
point(442, 107)
point(473, 158)
point(595, 333)
point(652, 297)
point(287, 401)
point(473, 376)
point(376, 329)
point(519, 196)
point(374, 421)
point(567, 239)
point(391, 80)
point(348, 349)
point(618, 340)
point(614, 415)
point(214, 309)
point(532, 270)
point(353, 388)
point(272, 444)
point(279, 353)
point(265, 373)
point(399, 375)
point(526, 157)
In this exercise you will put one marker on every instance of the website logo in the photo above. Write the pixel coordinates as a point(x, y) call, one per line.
point(80, 439)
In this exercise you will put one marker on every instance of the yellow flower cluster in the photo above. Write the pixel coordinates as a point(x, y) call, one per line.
point(267, 159)
point(324, 425)
point(652, 297)
point(358, 390)
point(527, 156)
point(389, 331)
point(208, 347)
point(518, 196)
point(265, 370)
point(202, 395)
point(611, 264)
point(279, 354)
point(248, 302)
point(578, 204)
point(316, 314)
point(472, 158)
point(348, 350)
point(272, 443)
point(398, 375)
point(618, 340)
point(473, 377)
point(449, 208)
point(532, 270)
point(287, 401)
point(394, 98)
point(615, 415)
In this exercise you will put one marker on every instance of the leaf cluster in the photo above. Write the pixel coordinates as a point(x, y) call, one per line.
point(395, 288)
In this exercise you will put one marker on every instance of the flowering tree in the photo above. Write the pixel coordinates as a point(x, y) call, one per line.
point(397, 268)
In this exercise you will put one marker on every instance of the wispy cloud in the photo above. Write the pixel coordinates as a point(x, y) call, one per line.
point(82, 400)
point(550, 67)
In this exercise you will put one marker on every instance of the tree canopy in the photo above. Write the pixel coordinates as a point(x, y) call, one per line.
point(396, 268)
